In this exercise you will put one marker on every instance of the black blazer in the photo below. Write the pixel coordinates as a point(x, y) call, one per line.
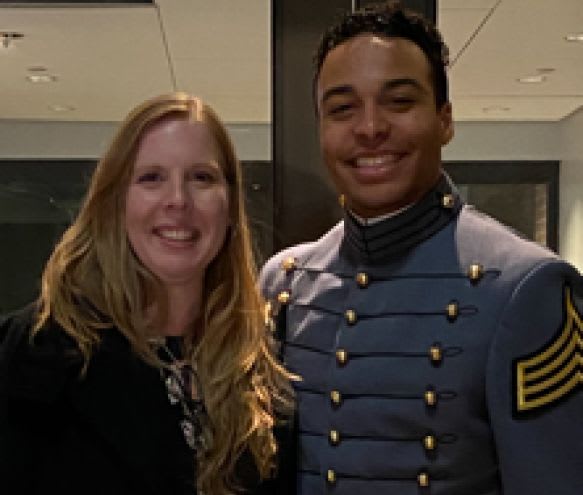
point(110, 432)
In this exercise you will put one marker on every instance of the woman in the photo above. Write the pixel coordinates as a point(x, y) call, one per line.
point(145, 367)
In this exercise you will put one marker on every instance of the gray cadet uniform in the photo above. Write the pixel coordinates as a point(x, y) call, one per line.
point(439, 354)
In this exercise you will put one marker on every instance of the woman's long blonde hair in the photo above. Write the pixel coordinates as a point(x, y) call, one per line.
point(93, 281)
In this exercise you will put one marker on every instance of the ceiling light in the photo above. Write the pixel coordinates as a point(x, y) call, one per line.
point(7, 37)
point(495, 108)
point(574, 37)
point(41, 78)
point(37, 68)
point(61, 108)
point(536, 79)
point(545, 70)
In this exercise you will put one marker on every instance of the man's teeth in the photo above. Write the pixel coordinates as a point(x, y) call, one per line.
point(177, 235)
point(375, 161)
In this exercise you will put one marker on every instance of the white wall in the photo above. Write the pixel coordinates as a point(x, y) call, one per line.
point(23, 139)
point(504, 141)
point(571, 188)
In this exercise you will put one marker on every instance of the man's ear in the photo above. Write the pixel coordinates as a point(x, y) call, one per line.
point(446, 122)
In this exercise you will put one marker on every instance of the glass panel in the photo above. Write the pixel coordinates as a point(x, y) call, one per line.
point(523, 207)
point(38, 201)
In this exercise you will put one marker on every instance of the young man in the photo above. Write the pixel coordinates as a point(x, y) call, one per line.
point(439, 352)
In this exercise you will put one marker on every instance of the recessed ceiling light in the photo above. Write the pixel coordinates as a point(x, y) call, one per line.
point(574, 37)
point(495, 108)
point(61, 108)
point(536, 79)
point(37, 68)
point(41, 78)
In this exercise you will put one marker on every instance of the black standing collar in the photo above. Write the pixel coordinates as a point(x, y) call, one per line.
point(382, 241)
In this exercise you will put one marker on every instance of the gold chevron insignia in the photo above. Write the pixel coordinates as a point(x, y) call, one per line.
point(556, 369)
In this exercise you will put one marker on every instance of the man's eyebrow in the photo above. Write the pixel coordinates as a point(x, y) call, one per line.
point(404, 81)
point(345, 89)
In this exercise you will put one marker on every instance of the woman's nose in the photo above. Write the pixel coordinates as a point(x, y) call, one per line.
point(177, 196)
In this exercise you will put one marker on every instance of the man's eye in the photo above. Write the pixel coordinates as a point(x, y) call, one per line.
point(402, 100)
point(340, 109)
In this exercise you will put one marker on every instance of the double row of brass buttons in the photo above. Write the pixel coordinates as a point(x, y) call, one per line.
point(475, 273)
point(430, 397)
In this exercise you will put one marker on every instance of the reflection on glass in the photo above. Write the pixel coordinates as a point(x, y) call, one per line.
point(39, 200)
point(524, 207)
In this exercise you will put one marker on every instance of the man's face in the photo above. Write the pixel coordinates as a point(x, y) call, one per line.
point(380, 131)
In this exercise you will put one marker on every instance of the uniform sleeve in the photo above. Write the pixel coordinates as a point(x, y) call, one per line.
point(535, 384)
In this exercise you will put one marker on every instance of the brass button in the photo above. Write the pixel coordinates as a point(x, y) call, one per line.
point(448, 201)
point(435, 354)
point(334, 437)
point(429, 442)
point(475, 272)
point(341, 357)
point(362, 280)
point(423, 479)
point(342, 200)
point(331, 476)
point(288, 264)
point(452, 311)
point(350, 316)
point(335, 397)
point(430, 398)
point(283, 297)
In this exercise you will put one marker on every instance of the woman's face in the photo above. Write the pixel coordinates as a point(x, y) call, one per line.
point(177, 203)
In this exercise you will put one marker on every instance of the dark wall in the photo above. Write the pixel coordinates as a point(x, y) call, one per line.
point(426, 7)
point(305, 204)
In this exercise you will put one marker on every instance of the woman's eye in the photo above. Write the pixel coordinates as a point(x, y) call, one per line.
point(203, 176)
point(149, 177)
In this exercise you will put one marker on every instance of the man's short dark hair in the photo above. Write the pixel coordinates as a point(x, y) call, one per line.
point(393, 21)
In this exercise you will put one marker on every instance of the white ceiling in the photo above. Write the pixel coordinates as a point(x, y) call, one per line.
point(495, 42)
point(106, 60)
